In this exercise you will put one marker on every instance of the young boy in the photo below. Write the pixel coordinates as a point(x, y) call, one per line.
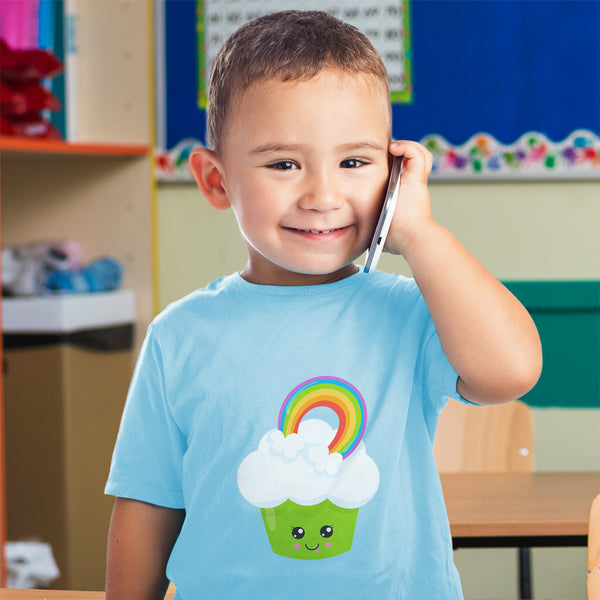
point(277, 437)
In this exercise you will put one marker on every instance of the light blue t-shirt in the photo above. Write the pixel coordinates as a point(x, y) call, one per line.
point(295, 426)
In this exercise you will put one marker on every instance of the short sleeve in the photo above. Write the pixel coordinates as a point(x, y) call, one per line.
point(148, 455)
point(435, 373)
point(439, 379)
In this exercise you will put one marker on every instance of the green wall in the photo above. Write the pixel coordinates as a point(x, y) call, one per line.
point(567, 315)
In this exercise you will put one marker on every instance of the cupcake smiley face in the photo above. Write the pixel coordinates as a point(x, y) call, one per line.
point(299, 533)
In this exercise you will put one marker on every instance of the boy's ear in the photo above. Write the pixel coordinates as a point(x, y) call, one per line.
point(206, 168)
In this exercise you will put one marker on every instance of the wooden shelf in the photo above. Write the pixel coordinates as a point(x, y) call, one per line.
point(26, 146)
point(98, 191)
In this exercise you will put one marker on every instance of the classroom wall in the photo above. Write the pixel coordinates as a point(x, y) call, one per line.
point(520, 231)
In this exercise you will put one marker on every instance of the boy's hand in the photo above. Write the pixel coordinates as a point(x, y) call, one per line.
point(413, 210)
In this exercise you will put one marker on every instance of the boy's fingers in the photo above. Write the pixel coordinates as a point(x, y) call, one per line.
point(418, 159)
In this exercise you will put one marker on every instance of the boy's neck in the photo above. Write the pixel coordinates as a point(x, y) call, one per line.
point(290, 278)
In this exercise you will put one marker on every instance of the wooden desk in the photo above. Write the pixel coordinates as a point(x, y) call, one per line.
point(6, 594)
point(519, 509)
point(485, 510)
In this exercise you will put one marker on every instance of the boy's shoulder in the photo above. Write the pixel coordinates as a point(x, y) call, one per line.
point(198, 301)
point(384, 280)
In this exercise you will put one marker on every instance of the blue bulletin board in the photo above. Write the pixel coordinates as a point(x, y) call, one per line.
point(499, 88)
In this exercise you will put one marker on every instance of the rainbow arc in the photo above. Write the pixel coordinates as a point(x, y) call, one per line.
point(333, 393)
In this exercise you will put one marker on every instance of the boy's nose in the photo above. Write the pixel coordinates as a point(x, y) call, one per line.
point(321, 193)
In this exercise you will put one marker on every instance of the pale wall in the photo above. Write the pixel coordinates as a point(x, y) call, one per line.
point(520, 231)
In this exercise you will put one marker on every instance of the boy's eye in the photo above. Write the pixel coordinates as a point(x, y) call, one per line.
point(352, 163)
point(283, 165)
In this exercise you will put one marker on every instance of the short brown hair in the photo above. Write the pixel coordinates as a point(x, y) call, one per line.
point(289, 45)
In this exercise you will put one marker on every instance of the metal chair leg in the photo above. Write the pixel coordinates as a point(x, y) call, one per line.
point(525, 584)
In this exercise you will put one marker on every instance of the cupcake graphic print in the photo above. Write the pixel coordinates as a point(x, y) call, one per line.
point(308, 478)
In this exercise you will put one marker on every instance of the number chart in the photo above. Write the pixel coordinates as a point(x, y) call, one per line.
point(386, 24)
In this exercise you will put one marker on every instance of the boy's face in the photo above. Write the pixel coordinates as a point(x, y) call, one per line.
point(304, 167)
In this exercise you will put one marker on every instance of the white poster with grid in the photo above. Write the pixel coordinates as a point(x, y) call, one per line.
point(386, 24)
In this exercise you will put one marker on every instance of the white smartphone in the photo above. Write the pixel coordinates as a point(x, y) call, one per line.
point(387, 213)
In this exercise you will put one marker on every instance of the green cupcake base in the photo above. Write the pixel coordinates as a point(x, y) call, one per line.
point(310, 532)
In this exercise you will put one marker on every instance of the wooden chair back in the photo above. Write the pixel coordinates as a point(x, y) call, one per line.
point(496, 438)
point(593, 557)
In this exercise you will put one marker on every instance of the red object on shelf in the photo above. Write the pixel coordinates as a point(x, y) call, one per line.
point(28, 64)
point(31, 125)
point(10, 99)
point(22, 97)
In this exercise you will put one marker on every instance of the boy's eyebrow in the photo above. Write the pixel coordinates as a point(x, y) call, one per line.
point(267, 148)
point(351, 146)
point(361, 146)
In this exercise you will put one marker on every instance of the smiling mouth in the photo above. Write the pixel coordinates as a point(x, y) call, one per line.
point(316, 549)
point(317, 231)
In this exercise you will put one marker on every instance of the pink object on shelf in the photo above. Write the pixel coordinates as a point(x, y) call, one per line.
point(19, 25)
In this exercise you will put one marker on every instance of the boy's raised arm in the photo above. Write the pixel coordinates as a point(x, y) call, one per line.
point(140, 540)
point(486, 333)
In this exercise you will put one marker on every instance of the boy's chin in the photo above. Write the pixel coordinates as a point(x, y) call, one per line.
point(288, 277)
point(325, 267)
point(321, 275)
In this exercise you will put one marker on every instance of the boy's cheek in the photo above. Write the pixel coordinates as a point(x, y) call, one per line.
point(370, 226)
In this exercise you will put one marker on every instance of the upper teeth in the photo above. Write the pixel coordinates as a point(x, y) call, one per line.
point(317, 231)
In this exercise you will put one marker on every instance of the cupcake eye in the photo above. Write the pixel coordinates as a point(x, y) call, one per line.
point(298, 533)
point(326, 531)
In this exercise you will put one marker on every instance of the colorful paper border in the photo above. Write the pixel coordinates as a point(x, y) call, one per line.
point(533, 155)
